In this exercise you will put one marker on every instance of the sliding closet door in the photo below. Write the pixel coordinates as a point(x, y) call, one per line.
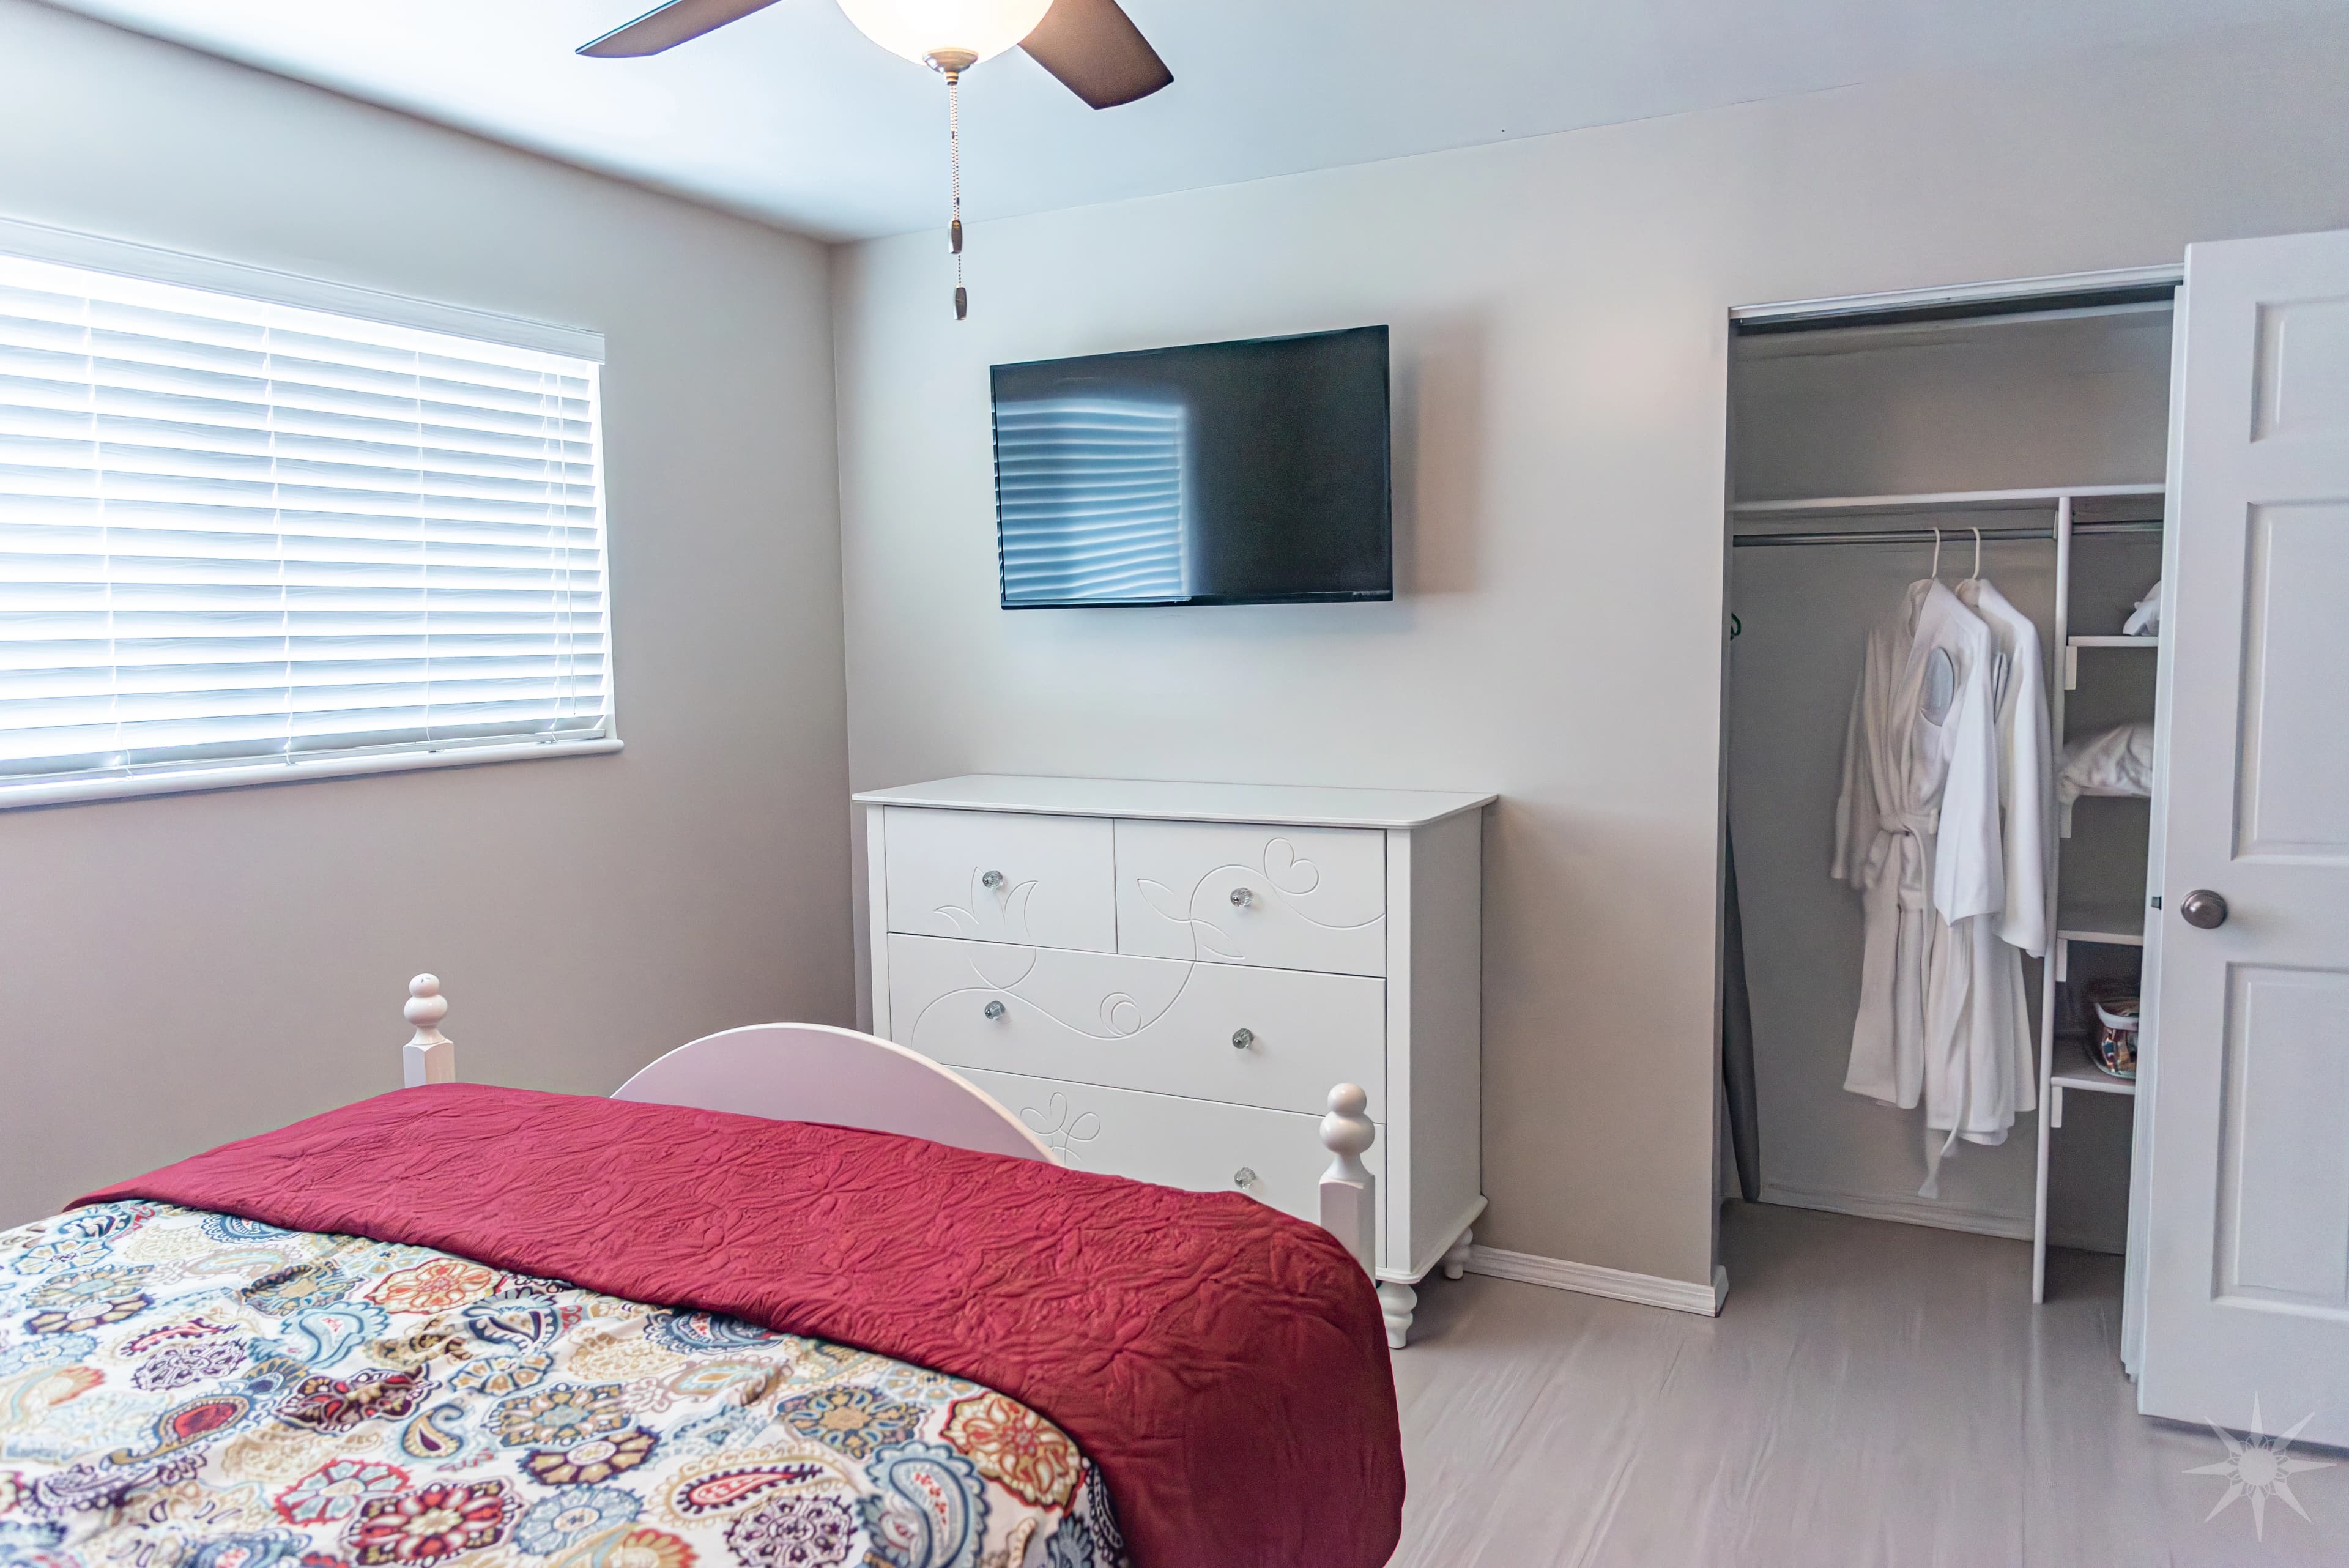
point(2247, 1249)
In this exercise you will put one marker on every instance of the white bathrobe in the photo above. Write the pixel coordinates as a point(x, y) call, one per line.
point(2027, 772)
point(1996, 1029)
point(1918, 833)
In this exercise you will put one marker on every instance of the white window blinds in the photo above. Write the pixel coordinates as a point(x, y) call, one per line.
point(239, 537)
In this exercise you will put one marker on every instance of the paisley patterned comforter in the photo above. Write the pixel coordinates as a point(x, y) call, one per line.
point(182, 1389)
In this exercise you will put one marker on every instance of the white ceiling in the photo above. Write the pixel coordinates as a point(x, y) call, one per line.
point(791, 115)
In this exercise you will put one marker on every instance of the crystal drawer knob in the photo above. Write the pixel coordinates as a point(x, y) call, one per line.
point(1243, 1038)
point(991, 881)
point(995, 1010)
point(1244, 1179)
point(2204, 909)
point(1242, 898)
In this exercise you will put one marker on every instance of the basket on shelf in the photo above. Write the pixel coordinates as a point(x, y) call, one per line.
point(2113, 1046)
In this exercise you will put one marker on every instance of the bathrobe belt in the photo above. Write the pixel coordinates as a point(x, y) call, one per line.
point(1910, 831)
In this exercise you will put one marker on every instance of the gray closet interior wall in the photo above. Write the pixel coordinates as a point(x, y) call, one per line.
point(2004, 403)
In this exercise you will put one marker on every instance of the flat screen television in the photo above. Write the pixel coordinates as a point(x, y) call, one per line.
point(1221, 473)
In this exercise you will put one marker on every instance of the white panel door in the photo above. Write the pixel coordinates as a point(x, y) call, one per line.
point(1277, 1038)
point(1283, 897)
point(2247, 1110)
point(1002, 877)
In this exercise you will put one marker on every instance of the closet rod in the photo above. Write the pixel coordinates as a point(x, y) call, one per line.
point(1951, 536)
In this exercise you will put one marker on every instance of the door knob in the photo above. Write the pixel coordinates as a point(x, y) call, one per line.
point(994, 1010)
point(1242, 898)
point(2204, 909)
point(1243, 1038)
point(991, 881)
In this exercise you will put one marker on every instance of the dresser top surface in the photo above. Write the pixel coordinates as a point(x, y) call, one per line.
point(1300, 806)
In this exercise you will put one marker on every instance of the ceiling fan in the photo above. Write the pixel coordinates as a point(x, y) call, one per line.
point(1091, 46)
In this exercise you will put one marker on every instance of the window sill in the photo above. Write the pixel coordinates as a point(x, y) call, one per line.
point(65, 792)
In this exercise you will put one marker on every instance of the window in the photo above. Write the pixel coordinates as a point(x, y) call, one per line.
point(244, 541)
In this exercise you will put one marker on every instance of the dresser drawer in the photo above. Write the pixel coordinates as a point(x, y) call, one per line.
point(998, 877)
point(1141, 1024)
point(1307, 897)
point(1275, 1157)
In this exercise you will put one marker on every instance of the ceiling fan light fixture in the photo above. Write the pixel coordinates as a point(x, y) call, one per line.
point(966, 31)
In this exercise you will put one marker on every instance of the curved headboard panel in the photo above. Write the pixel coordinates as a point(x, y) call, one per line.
point(815, 1072)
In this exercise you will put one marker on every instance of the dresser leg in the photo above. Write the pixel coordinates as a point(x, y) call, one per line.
point(1396, 1304)
point(1455, 1261)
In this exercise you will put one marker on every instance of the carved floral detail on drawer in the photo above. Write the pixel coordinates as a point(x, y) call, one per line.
point(1123, 1014)
point(1213, 904)
point(1230, 1033)
point(1038, 880)
point(996, 913)
point(999, 967)
point(1061, 1126)
point(1288, 870)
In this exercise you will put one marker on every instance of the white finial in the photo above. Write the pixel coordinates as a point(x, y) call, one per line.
point(430, 1056)
point(425, 1008)
point(1349, 1193)
point(1346, 1132)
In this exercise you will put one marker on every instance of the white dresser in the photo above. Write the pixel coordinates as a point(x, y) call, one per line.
point(1164, 981)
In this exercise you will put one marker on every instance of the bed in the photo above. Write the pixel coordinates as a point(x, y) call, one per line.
point(794, 1295)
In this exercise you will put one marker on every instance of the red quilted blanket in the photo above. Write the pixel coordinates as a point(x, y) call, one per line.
point(1222, 1364)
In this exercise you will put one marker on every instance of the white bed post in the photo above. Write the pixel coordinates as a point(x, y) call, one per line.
point(1350, 1202)
point(1349, 1209)
point(430, 1056)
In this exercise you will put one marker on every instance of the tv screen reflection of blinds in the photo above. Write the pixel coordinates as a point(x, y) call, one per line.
point(1221, 473)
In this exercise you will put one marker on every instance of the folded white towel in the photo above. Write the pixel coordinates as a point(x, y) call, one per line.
point(2118, 761)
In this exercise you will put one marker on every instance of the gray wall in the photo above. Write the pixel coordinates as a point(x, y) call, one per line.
point(1560, 356)
point(175, 972)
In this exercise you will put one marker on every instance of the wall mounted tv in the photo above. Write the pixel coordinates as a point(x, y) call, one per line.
point(1221, 473)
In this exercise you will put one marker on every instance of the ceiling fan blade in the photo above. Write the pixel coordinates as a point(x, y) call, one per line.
point(666, 26)
point(1097, 53)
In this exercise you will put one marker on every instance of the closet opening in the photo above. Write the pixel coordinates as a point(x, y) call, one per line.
point(1944, 511)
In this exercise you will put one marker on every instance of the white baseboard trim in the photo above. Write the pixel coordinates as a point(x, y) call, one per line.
point(2081, 1241)
point(1903, 1210)
point(1590, 1280)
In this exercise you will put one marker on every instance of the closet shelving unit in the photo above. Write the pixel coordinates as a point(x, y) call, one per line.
point(2065, 1065)
point(2111, 921)
point(2073, 645)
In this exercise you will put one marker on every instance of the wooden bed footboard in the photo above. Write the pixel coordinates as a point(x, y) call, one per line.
point(816, 1071)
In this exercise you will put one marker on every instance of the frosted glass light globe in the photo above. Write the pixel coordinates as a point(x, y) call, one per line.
point(919, 28)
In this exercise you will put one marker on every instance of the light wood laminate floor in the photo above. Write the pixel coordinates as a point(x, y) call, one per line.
point(1873, 1394)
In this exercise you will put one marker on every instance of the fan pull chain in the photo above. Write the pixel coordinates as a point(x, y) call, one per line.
point(954, 150)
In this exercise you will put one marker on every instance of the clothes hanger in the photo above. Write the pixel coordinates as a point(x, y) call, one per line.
point(1936, 572)
point(1977, 571)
